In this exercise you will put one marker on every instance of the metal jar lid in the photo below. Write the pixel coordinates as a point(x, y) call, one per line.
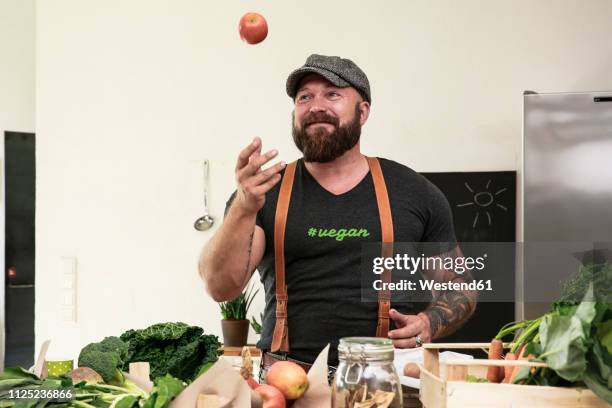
point(365, 349)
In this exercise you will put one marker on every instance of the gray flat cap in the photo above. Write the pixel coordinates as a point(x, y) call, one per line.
point(341, 72)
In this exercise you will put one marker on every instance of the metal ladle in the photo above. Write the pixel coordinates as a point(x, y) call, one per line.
point(206, 221)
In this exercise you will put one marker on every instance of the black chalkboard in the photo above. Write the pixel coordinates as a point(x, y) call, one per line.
point(484, 210)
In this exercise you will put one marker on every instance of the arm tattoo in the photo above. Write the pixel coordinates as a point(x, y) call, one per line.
point(249, 250)
point(450, 309)
point(449, 312)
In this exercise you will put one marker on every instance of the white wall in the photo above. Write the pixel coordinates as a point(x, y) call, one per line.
point(131, 96)
point(17, 32)
point(16, 96)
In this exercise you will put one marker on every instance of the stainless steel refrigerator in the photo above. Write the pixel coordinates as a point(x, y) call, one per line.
point(567, 189)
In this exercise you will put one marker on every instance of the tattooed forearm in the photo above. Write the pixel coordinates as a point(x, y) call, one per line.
point(249, 250)
point(449, 312)
point(450, 309)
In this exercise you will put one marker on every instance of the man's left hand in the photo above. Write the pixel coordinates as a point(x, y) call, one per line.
point(408, 327)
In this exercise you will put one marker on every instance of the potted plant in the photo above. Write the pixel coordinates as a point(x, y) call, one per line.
point(256, 325)
point(235, 325)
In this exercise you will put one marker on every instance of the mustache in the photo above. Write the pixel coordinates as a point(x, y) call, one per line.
point(325, 149)
point(319, 117)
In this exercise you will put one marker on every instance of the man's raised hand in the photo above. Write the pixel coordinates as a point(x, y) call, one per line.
point(252, 182)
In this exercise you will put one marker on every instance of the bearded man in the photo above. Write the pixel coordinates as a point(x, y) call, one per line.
point(305, 234)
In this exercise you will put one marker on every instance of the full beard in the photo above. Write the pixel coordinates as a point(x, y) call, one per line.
point(322, 146)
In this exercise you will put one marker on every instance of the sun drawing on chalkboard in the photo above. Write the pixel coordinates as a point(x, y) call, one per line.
point(484, 200)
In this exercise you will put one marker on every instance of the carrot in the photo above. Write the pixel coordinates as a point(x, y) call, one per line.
point(495, 373)
point(252, 383)
point(520, 356)
point(508, 369)
point(515, 369)
point(533, 369)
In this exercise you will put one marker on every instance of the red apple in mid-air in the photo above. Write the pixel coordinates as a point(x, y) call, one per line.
point(272, 397)
point(289, 378)
point(253, 28)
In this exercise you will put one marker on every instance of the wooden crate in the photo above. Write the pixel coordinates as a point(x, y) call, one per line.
point(454, 391)
point(410, 397)
point(235, 351)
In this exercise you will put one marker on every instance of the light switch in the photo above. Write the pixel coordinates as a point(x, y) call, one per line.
point(67, 298)
point(68, 314)
point(68, 288)
point(68, 265)
point(68, 281)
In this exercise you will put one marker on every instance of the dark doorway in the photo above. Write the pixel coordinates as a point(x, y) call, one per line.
point(20, 181)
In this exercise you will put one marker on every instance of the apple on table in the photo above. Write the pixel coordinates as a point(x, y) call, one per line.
point(286, 381)
point(289, 378)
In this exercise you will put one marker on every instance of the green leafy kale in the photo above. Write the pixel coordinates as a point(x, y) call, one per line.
point(574, 289)
point(172, 348)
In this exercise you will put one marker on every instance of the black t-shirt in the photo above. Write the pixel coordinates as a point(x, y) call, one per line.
point(323, 243)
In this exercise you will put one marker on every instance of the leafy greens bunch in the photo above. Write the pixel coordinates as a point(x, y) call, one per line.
point(574, 338)
point(172, 348)
point(86, 395)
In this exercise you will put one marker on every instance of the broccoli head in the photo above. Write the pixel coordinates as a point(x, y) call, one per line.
point(115, 344)
point(106, 358)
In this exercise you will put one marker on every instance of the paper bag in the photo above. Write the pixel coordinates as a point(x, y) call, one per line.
point(221, 380)
point(318, 394)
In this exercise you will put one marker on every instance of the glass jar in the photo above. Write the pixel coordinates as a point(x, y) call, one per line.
point(366, 374)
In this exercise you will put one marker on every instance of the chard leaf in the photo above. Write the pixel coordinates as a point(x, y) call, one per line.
point(168, 387)
point(205, 367)
point(595, 384)
point(150, 402)
point(600, 362)
point(12, 383)
point(124, 401)
point(26, 403)
point(565, 339)
point(586, 312)
point(562, 339)
point(522, 375)
point(17, 372)
point(164, 391)
point(604, 334)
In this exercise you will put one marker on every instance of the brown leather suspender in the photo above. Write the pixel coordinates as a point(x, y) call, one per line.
point(386, 225)
point(280, 338)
